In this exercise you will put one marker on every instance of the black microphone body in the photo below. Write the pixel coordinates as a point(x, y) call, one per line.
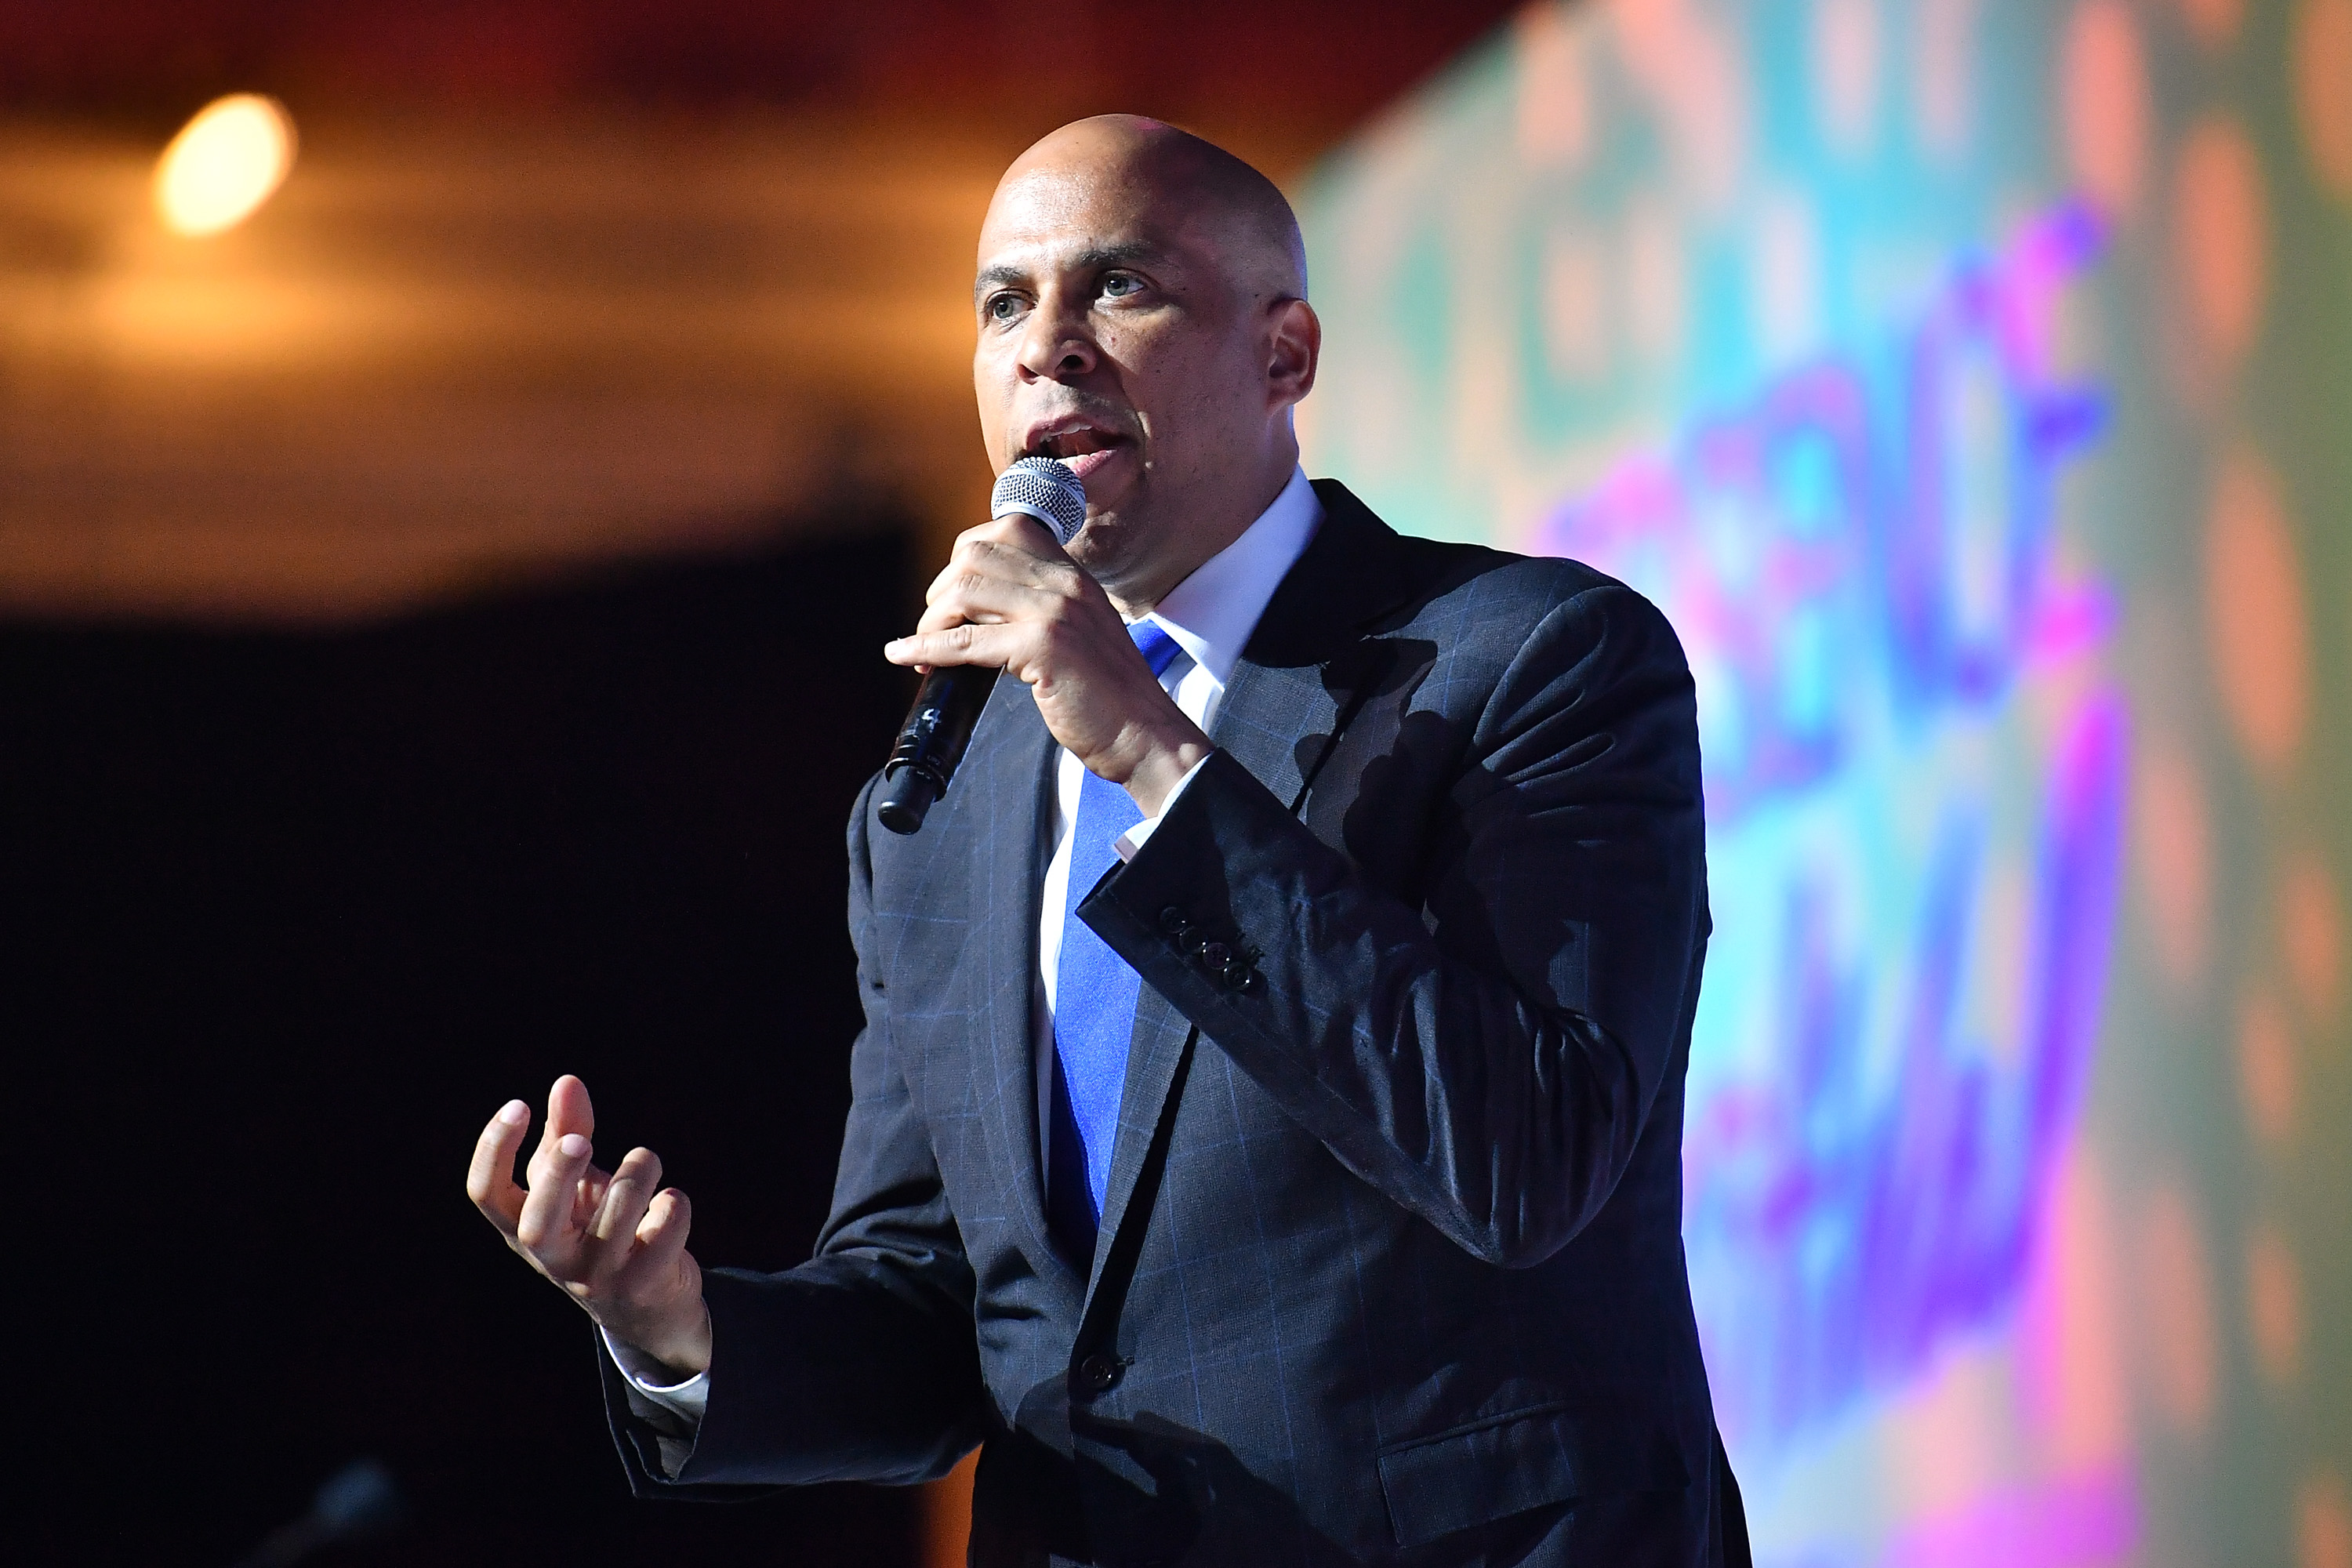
point(932, 743)
point(948, 704)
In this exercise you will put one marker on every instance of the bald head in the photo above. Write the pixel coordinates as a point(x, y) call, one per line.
point(1221, 198)
point(1141, 313)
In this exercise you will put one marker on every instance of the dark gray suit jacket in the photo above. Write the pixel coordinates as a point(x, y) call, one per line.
point(1390, 1267)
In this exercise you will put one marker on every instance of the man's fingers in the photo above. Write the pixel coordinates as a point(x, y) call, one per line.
point(993, 645)
point(986, 600)
point(1014, 530)
point(652, 1269)
point(489, 1180)
point(989, 552)
point(569, 1109)
point(627, 1197)
point(549, 1224)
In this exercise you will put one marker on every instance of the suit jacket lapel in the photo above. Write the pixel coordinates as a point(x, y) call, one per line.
point(1310, 660)
point(1294, 687)
point(1003, 779)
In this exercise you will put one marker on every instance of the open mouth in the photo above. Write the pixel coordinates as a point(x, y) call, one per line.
point(1073, 442)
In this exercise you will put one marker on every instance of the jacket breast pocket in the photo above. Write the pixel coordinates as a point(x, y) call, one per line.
point(1507, 1464)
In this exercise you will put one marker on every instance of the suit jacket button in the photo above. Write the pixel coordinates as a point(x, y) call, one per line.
point(1174, 922)
point(1099, 1373)
point(1215, 956)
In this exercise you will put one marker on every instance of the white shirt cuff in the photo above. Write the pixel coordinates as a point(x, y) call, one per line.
point(1132, 841)
point(687, 1400)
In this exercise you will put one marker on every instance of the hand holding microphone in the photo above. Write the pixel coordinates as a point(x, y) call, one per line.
point(1011, 598)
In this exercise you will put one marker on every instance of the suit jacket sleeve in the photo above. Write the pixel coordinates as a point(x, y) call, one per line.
point(859, 1364)
point(1488, 1058)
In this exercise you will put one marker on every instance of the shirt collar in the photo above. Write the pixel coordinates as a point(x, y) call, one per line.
point(1211, 612)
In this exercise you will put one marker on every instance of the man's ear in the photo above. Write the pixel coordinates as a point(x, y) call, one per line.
point(1294, 345)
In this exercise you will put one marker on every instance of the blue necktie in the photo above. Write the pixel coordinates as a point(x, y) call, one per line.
point(1095, 992)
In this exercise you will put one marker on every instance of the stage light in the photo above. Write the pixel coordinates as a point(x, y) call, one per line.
point(223, 164)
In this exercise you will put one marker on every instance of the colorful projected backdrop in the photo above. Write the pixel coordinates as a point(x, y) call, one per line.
point(1971, 380)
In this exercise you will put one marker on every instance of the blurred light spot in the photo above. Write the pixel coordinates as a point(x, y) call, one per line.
point(2105, 109)
point(1555, 110)
point(2170, 823)
point(2323, 65)
point(2177, 1293)
point(1692, 69)
point(223, 164)
point(2003, 943)
point(1787, 272)
point(2266, 1067)
point(2215, 22)
point(1576, 307)
point(1948, 1436)
point(2221, 237)
point(1656, 282)
point(1845, 70)
point(2275, 1306)
point(1979, 494)
point(2322, 1523)
point(2066, 1522)
point(1947, 42)
point(2254, 611)
point(2311, 920)
point(2075, 1380)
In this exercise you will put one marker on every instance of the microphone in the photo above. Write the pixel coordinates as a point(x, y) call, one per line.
point(938, 726)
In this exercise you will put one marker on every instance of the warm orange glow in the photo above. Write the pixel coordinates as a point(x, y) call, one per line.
point(2266, 1068)
point(2311, 929)
point(2222, 236)
point(2177, 1301)
point(2274, 1307)
point(2257, 629)
point(2322, 64)
point(2171, 825)
point(223, 164)
point(2324, 1532)
point(2105, 109)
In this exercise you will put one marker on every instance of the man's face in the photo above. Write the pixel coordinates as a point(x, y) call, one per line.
point(1112, 335)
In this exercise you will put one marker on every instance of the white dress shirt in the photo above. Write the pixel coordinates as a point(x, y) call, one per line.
point(1211, 614)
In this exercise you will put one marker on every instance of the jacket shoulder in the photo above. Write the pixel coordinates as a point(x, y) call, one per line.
point(1503, 594)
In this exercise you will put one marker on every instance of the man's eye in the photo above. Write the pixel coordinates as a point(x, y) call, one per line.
point(1004, 307)
point(1119, 285)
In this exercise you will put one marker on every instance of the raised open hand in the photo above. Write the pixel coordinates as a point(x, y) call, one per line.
point(614, 1243)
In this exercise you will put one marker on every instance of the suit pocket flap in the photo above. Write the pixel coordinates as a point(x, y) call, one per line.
point(1509, 1463)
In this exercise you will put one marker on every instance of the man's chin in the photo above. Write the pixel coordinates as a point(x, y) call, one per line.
point(1110, 545)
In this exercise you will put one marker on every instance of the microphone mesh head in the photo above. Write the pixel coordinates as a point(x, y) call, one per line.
point(1045, 488)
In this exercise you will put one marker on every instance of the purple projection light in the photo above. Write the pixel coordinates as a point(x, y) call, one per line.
point(1866, 589)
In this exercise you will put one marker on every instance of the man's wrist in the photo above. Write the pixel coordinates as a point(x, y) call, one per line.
point(1163, 765)
point(684, 1356)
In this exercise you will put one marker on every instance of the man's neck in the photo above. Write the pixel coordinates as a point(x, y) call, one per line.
point(1138, 597)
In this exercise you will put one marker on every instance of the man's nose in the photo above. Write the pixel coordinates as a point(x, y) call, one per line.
point(1055, 346)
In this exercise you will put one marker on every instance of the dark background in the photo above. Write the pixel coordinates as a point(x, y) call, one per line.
point(286, 915)
point(288, 918)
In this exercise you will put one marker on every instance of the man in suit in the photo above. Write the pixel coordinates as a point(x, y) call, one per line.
point(1266, 1128)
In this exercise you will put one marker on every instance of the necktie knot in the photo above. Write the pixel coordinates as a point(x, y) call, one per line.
point(1158, 650)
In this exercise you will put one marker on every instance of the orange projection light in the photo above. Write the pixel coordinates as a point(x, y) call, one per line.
point(223, 164)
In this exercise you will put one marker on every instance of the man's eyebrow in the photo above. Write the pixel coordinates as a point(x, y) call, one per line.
point(1094, 258)
point(990, 277)
point(1132, 253)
